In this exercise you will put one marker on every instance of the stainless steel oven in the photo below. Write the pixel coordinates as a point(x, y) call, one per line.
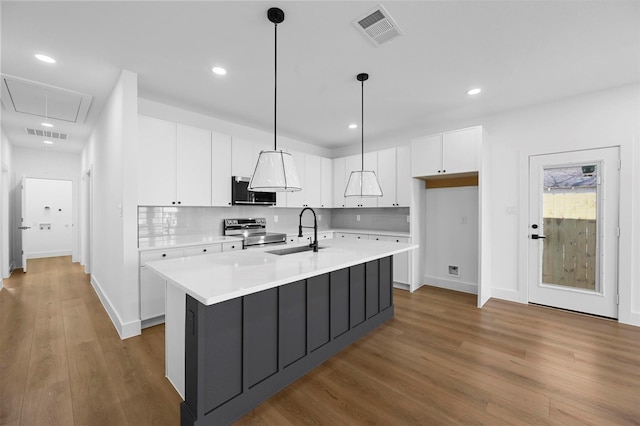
point(253, 232)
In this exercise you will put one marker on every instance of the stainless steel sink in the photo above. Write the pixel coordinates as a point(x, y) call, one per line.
point(292, 250)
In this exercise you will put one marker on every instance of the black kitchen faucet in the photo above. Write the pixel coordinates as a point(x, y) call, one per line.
point(314, 244)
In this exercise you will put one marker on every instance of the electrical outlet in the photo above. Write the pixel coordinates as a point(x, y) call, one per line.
point(510, 210)
point(319, 217)
point(408, 219)
point(357, 218)
point(463, 220)
point(275, 218)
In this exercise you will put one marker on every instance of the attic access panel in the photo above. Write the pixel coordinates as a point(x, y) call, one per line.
point(41, 100)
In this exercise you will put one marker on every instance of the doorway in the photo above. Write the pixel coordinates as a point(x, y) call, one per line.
point(573, 230)
point(47, 219)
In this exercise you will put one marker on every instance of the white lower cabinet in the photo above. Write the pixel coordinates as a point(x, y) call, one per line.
point(152, 287)
point(401, 261)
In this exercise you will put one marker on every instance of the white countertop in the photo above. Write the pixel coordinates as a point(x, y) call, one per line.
point(373, 232)
point(177, 241)
point(216, 277)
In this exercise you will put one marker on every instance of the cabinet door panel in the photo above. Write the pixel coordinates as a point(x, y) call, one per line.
point(426, 156)
point(356, 295)
point(293, 319)
point(297, 198)
point(326, 197)
point(220, 169)
point(403, 176)
point(318, 311)
point(372, 291)
point(156, 162)
point(260, 336)
point(387, 177)
point(461, 149)
point(312, 180)
point(339, 302)
point(222, 379)
point(243, 157)
point(152, 294)
point(339, 181)
point(386, 283)
point(193, 158)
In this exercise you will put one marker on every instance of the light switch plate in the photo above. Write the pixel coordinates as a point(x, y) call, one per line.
point(275, 218)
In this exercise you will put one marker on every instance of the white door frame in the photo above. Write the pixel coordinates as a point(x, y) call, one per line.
point(602, 301)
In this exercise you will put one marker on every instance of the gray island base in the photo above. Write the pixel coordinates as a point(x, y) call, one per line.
point(241, 351)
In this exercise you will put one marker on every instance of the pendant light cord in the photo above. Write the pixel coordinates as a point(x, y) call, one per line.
point(362, 126)
point(275, 85)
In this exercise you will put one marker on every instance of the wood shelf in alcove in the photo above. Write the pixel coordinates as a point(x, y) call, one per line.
point(451, 181)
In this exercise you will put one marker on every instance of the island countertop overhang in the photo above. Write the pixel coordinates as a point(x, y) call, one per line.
point(218, 277)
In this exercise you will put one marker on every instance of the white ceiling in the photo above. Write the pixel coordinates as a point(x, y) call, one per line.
point(518, 52)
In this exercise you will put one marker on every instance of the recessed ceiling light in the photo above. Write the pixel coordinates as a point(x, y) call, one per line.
point(46, 124)
point(353, 126)
point(219, 70)
point(48, 142)
point(474, 91)
point(45, 58)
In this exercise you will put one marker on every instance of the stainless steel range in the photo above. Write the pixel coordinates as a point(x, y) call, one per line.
point(253, 232)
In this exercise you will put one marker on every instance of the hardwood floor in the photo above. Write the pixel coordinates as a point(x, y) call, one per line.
point(440, 361)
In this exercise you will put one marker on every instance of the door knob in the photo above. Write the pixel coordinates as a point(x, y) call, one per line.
point(537, 237)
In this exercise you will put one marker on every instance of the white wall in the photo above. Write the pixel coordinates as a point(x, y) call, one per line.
point(593, 120)
point(111, 155)
point(177, 115)
point(451, 226)
point(6, 214)
point(44, 164)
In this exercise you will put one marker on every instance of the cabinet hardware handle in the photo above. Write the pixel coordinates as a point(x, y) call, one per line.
point(205, 250)
point(179, 202)
point(173, 202)
point(164, 254)
point(443, 171)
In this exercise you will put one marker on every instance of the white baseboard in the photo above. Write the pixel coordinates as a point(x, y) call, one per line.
point(43, 254)
point(510, 295)
point(462, 286)
point(1, 284)
point(125, 330)
point(633, 318)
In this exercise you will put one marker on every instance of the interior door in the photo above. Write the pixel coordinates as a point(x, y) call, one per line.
point(573, 234)
point(24, 228)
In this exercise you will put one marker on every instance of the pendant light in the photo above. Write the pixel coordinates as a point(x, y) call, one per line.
point(275, 170)
point(363, 183)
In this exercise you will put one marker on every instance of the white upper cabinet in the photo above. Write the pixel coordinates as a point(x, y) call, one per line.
point(220, 169)
point(296, 198)
point(309, 168)
point(339, 181)
point(193, 158)
point(447, 153)
point(174, 164)
point(243, 157)
point(394, 176)
point(156, 162)
point(312, 180)
point(403, 176)
point(387, 177)
point(326, 190)
point(354, 163)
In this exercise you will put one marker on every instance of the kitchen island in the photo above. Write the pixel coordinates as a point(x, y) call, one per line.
point(242, 325)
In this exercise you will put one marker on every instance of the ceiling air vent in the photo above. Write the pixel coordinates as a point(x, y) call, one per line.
point(47, 134)
point(378, 26)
